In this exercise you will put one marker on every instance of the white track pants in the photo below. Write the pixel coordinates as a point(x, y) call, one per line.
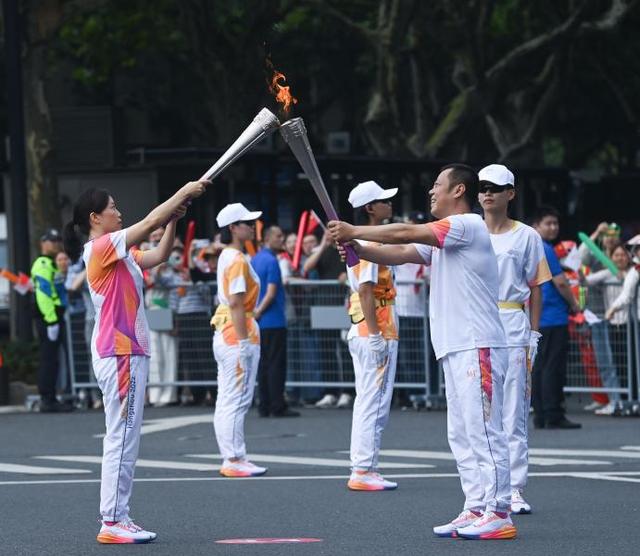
point(122, 380)
point(374, 390)
point(474, 381)
point(515, 414)
point(235, 393)
point(163, 367)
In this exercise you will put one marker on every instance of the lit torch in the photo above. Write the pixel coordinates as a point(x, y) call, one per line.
point(279, 90)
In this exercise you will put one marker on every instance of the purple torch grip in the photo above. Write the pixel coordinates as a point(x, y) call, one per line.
point(352, 256)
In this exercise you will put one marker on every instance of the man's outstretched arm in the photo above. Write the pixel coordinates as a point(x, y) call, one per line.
point(389, 255)
point(388, 233)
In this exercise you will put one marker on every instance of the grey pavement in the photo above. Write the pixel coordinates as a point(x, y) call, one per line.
point(584, 487)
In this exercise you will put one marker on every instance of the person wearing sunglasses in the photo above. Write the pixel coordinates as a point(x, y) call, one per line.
point(522, 268)
point(236, 341)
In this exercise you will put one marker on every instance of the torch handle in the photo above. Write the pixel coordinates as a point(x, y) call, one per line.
point(352, 256)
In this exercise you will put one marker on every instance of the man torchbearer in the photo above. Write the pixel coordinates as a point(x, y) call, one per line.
point(467, 335)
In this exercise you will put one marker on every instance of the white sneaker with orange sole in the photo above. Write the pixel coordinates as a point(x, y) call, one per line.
point(242, 468)
point(124, 532)
point(466, 517)
point(489, 526)
point(369, 480)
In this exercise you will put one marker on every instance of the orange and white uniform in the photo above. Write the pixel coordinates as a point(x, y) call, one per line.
point(235, 384)
point(374, 384)
point(120, 355)
point(521, 265)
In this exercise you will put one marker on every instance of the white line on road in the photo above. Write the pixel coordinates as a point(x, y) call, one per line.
point(317, 462)
point(553, 474)
point(609, 477)
point(428, 454)
point(153, 464)
point(587, 453)
point(33, 470)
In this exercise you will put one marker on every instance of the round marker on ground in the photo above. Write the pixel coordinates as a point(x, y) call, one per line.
point(275, 540)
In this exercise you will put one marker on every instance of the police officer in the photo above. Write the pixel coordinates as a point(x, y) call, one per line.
point(50, 295)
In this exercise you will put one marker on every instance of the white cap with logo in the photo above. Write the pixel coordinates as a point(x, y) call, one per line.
point(497, 174)
point(368, 192)
point(236, 212)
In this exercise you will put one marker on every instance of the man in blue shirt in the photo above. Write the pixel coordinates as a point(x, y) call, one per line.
point(270, 314)
point(550, 370)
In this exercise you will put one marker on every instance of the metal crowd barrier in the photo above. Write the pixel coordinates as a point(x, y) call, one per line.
point(317, 349)
point(603, 358)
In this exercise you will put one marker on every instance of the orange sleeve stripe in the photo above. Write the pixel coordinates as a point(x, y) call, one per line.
point(543, 274)
point(440, 228)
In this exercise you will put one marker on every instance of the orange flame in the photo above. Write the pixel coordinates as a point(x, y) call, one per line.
point(281, 92)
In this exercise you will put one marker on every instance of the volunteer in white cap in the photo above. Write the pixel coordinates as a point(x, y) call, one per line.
point(522, 268)
point(373, 343)
point(236, 342)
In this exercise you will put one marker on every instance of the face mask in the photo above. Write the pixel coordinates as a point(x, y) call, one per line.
point(174, 260)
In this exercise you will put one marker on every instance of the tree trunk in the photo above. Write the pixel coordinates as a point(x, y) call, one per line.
point(42, 20)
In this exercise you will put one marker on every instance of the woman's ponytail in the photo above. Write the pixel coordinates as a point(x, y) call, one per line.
point(72, 241)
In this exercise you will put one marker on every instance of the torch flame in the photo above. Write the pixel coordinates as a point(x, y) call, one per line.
point(281, 92)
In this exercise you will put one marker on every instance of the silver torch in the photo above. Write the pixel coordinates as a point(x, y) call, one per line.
point(295, 134)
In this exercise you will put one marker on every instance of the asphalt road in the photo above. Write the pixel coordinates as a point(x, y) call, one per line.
point(584, 488)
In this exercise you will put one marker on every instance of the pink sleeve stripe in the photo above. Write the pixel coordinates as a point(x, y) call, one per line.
point(440, 228)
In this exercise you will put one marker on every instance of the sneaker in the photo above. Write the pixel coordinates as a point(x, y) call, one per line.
point(369, 480)
point(608, 409)
point(329, 400)
point(489, 526)
point(466, 517)
point(518, 504)
point(124, 532)
point(593, 406)
point(242, 468)
point(345, 401)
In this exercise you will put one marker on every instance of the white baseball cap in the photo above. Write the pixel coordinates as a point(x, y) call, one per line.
point(634, 241)
point(497, 174)
point(236, 212)
point(368, 192)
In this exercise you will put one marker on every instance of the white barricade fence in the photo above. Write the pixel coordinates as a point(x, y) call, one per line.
point(603, 356)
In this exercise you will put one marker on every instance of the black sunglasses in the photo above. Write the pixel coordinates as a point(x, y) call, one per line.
point(494, 188)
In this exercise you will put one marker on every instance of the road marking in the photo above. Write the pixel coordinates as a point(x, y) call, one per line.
point(316, 462)
point(149, 426)
point(588, 453)
point(297, 540)
point(152, 464)
point(427, 454)
point(630, 447)
point(609, 477)
point(33, 470)
point(552, 474)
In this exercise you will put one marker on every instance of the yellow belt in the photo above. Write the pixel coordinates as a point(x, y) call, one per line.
point(223, 315)
point(511, 305)
point(355, 307)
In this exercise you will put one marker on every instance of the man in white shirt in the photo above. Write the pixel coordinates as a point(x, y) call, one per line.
point(522, 267)
point(467, 335)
